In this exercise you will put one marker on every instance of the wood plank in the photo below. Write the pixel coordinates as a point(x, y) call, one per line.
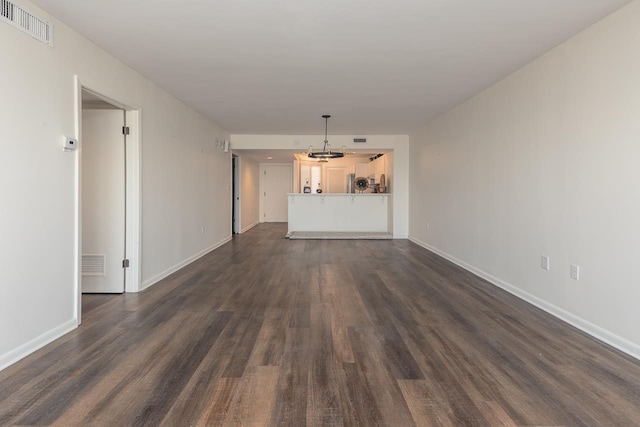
point(377, 370)
point(218, 405)
point(253, 400)
point(290, 406)
point(323, 395)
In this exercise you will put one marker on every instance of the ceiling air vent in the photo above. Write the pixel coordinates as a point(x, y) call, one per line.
point(360, 140)
point(93, 265)
point(15, 15)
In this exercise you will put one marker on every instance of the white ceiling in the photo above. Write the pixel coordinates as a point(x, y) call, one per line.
point(377, 66)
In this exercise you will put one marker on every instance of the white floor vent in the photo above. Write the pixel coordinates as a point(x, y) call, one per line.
point(93, 265)
point(15, 15)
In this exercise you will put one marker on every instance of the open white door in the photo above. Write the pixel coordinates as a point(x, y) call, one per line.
point(103, 201)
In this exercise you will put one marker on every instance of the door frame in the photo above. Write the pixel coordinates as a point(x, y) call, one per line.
point(236, 201)
point(132, 201)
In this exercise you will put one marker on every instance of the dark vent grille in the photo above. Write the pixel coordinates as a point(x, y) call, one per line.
point(18, 17)
point(6, 10)
point(360, 140)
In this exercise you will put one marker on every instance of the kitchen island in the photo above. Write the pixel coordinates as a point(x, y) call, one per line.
point(340, 213)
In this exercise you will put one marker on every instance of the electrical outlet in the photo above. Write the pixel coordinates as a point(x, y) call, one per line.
point(575, 272)
point(545, 262)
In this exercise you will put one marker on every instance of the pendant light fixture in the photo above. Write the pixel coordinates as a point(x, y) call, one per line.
point(326, 152)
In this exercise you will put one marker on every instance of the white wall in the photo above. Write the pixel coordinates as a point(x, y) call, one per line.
point(399, 144)
point(249, 197)
point(547, 161)
point(185, 179)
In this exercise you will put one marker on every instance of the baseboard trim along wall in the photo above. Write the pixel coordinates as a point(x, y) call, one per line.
point(248, 227)
point(37, 343)
point(158, 277)
point(595, 331)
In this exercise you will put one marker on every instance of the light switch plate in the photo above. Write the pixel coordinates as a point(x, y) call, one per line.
point(575, 272)
point(545, 262)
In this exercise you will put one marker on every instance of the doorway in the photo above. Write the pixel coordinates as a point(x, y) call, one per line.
point(277, 181)
point(103, 196)
point(107, 196)
point(235, 194)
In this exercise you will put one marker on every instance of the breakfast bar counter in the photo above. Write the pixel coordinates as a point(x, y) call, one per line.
point(369, 212)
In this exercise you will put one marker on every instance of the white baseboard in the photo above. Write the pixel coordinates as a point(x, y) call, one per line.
point(622, 344)
point(26, 349)
point(248, 227)
point(155, 279)
point(37, 343)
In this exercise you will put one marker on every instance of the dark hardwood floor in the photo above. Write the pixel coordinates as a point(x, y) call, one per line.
point(267, 331)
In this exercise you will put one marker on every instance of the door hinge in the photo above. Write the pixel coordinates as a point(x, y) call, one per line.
point(125, 130)
point(265, 172)
point(125, 263)
point(265, 194)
